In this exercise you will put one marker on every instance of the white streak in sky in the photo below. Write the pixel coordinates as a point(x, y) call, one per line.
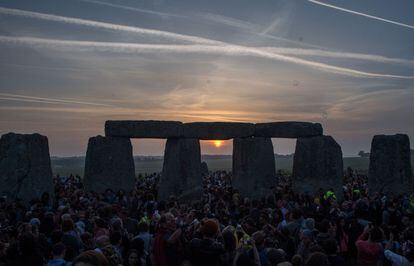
point(230, 50)
point(25, 98)
point(334, 54)
point(249, 27)
point(108, 26)
point(228, 21)
point(140, 10)
point(361, 14)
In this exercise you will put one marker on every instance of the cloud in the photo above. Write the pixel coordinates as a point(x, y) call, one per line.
point(366, 106)
point(26, 98)
point(140, 10)
point(109, 26)
point(229, 50)
point(362, 14)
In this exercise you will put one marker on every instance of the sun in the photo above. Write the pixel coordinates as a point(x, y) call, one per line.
point(217, 143)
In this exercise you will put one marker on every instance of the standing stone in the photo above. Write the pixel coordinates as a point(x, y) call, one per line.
point(317, 164)
point(25, 170)
point(181, 173)
point(109, 164)
point(204, 169)
point(253, 166)
point(390, 165)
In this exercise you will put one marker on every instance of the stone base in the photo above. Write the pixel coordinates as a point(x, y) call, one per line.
point(390, 165)
point(317, 164)
point(109, 164)
point(181, 173)
point(253, 167)
point(25, 170)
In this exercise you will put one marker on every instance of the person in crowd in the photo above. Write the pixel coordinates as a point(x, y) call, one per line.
point(58, 253)
point(369, 246)
point(407, 256)
point(207, 250)
point(91, 258)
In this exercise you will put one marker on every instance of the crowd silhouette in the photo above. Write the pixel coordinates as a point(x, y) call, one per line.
point(77, 227)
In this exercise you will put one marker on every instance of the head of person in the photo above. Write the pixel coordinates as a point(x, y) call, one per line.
point(143, 227)
point(324, 226)
point(408, 244)
point(58, 250)
point(297, 260)
point(138, 245)
point(210, 228)
point(102, 241)
point(376, 234)
point(330, 246)
point(275, 256)
point(90, 258)
point(167, 221)
point(115, 238)
point(67, 225)
point(306, 236)
point(317, 259)
point(133, 257)
point(259, 238)
point(88, 240)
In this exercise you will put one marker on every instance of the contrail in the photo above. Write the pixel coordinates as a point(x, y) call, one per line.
point(228, 21)
point(230, 50)
point(362, 14)
point(26, 98)
point(108, 26)
point(140, 10)
point(334, 54)
point(247, 26)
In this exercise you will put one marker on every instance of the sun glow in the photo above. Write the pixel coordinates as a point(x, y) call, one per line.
point(218, 143)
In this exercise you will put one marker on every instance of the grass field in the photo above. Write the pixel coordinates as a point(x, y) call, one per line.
point(75, 165)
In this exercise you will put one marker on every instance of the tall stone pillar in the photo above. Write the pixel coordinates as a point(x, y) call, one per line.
point(109, 163)
point(254, 171)
point(390, 165)
point(181, 173)
point(25, 170)
point(317, 164)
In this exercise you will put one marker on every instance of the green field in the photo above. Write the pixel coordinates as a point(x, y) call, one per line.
point(75, 165)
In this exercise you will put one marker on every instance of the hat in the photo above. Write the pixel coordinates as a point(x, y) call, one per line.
point(35, 221)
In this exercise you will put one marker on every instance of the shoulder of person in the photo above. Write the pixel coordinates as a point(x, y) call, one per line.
point(195, 243)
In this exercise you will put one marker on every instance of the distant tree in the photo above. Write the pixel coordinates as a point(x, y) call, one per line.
point(363, 154)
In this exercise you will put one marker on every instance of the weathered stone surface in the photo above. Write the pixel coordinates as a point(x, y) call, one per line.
point(317, 164)
point(217, 130)
point(109, 164)
point(253, 166)
point(143, 129)
point(181, 173)
point(288, 129)
point(25, 170)
point(390, 165)
point(204, 169)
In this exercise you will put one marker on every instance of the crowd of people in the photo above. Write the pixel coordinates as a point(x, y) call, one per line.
point(222, 228)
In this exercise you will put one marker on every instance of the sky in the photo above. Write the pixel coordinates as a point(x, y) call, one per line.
point(67, 66)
